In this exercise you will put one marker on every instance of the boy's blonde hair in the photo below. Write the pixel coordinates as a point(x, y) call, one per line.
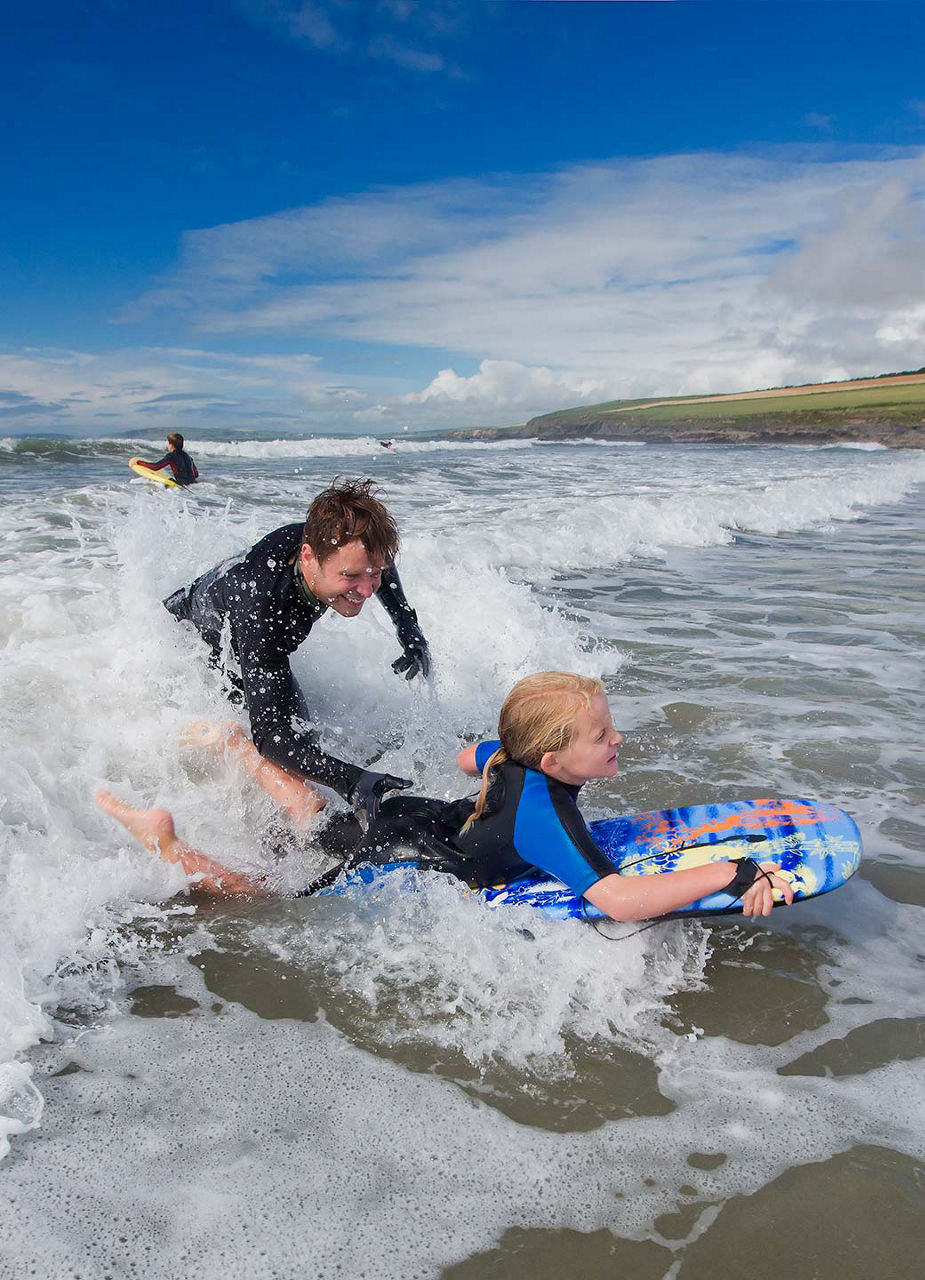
point(538, 715)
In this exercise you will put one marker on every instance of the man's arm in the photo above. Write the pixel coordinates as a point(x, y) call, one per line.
point(280, 720)
point(282, 734)
point(415, 658)
point(159, 466)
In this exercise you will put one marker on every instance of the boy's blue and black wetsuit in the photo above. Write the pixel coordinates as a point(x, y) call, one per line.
point(180, 463)
point(530, 823)
point(530, 826)
point(256, 610)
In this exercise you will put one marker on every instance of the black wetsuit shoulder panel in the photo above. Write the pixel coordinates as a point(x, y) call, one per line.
point(531, 822)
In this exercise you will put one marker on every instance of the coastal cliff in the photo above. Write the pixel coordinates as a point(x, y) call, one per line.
point(887, 410)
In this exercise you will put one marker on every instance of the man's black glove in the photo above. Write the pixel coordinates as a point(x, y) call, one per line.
point(415, 661)
point(367, 792)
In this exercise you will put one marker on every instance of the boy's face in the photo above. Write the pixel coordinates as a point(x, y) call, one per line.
point(592, 753)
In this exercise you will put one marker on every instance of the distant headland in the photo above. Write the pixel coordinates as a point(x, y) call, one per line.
point(888, 409)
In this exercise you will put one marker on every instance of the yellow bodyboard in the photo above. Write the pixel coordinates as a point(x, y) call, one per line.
point(142, 467)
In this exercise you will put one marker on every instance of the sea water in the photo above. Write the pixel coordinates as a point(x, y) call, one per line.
point(401, 1082)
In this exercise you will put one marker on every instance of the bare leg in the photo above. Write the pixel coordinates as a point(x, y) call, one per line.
point(297, 798)
point(154, 829)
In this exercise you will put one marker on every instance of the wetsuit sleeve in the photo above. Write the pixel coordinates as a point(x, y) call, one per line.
point(159, 466)
point(195, 470)
point(483, 751)
point(391, 595)
point(415, 656)
point(550, 833)
point(279, 716)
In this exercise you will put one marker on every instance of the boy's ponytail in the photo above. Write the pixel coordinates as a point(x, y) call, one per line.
point(538, 716)
point(496, 758)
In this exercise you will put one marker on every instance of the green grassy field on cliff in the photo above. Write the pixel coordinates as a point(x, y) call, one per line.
point(894, 400)
point(889, 410)
point(894, 411)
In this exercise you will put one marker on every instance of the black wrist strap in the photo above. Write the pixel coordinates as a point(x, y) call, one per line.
point(747, 872)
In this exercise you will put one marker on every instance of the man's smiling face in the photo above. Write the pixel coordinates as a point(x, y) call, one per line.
point(345, 579)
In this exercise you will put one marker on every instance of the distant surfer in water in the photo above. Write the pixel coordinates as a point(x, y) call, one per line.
point(178, 460)
point(255, 609)
point(555, 734)
point(387, 444)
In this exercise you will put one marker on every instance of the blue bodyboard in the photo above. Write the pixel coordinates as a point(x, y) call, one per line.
point(817, 846)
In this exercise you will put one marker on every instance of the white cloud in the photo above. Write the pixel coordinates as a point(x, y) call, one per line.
point(905, 328)
point(227, 272)
point(674, 274)
point(503, 386)
point(374, 413)
point(45, 391)
point(310, 22)
point(389, 49)
point(870, 255)
point(171, 388)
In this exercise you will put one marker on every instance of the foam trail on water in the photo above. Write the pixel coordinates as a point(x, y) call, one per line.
point(594, 531)
point(405, 1173)
point(346, 447)
point(47, 447)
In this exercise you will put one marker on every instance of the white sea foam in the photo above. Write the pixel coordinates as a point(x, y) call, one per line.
point(96, 682)
point(594, 443)
point(388, 947)
point(324, 447)
point(305, 1155)
point(68, 728)
point(865, 446)
point(564, 529)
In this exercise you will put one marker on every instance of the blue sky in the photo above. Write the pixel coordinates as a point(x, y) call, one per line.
point(370, 215)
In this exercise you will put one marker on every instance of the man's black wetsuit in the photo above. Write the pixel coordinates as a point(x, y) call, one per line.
point(180, 463)
point(259, 604)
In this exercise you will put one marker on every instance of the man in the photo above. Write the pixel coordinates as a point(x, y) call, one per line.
point(261, 605)
point(178, 460)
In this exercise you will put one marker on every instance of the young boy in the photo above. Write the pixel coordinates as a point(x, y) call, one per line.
point(178, 460)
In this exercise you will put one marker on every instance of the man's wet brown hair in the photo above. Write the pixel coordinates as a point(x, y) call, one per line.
point(175, 439)
point(349, 511)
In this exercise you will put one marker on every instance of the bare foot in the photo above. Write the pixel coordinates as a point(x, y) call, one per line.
point(155, 830)
point(152, 828)
point(210, 736)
